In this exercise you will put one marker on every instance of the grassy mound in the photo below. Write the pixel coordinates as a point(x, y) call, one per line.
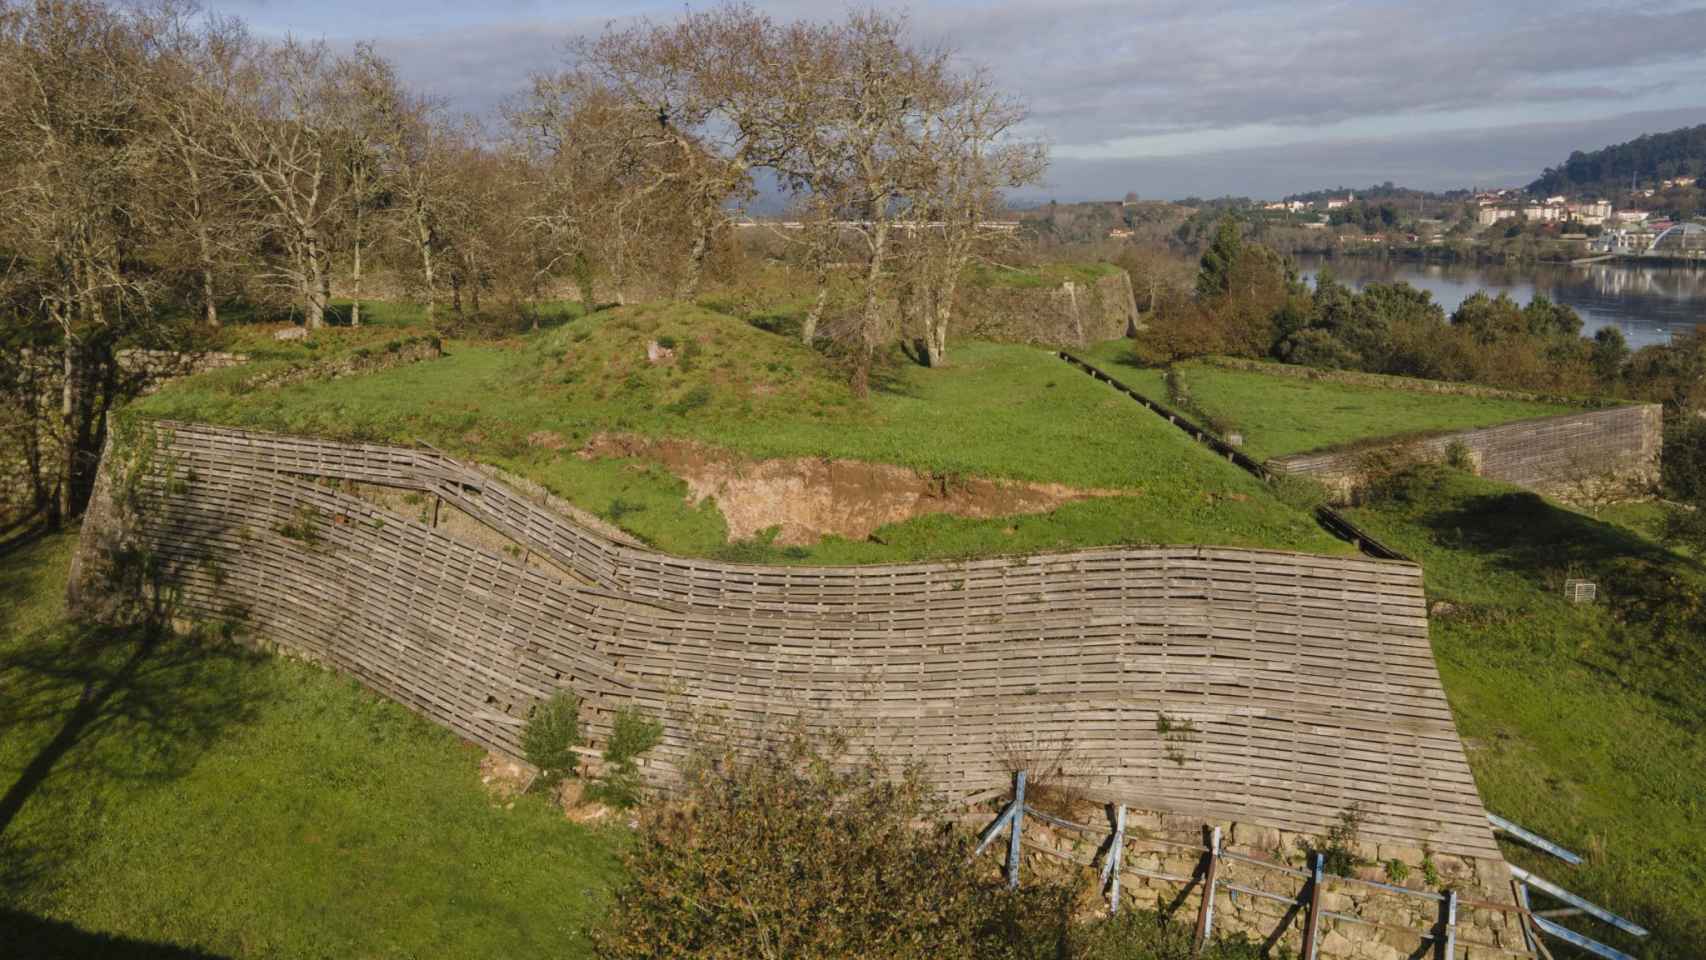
point(1582, 721)
point(1001, 411)
point(170, 797)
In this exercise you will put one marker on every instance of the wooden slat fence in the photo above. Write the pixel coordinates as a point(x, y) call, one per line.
point(1252, 685)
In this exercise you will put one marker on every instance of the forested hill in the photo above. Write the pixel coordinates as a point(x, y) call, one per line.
point(1653, 156)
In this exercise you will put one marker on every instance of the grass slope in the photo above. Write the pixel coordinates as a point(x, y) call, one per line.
point(998, 411)
point(1583, 722)
point(181, 799)
point(1281, 415)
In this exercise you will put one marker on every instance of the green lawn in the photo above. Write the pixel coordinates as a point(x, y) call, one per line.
point(1115, 358)
point(186, 798)
point(1583, 723)
point(1002, 411)
point(1281, 415)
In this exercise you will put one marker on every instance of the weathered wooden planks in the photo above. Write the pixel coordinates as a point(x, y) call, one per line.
point(1294, 685)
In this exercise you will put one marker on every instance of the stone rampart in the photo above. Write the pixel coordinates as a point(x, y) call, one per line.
point(1568, 455)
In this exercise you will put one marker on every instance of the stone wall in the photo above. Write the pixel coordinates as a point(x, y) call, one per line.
point(1071, 314)
point(1396, 925)
point(1564, 455)
point(1357, 378)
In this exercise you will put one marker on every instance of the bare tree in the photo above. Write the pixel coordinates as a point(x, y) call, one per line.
point(966, 158)
point(190, 88)
point(279, 133)
point(78, 204)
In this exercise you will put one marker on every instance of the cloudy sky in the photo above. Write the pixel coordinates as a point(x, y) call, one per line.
point(1173, 98)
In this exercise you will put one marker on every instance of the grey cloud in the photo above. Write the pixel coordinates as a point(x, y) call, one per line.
point(1096, 71)
point(1509, 156)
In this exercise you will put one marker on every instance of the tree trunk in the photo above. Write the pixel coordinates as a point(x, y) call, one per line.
point(936, 333)
point(209, 309)
point(808, 329)
point(70, 397)
point(456, 291)
point(702, 226)
point(870, 321)
point(314, 295)
point(424, 236)
point(355, 275)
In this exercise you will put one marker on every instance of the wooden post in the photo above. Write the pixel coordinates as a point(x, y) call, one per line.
point(1014, 828)
point(1448, 920)
point(436, 500)
point(1111, 866)
point(1205, 913)
point(1312, 923)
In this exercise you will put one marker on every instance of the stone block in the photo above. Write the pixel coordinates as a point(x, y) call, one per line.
point(1409, 856)
point(1375, 950)
point(1336, 944)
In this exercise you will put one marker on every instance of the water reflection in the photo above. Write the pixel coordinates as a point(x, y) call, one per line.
point(1649, 303)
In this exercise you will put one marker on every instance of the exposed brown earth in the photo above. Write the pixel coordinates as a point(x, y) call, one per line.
point(809, 498)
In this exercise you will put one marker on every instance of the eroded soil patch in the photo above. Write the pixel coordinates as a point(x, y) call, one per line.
point(809, 498)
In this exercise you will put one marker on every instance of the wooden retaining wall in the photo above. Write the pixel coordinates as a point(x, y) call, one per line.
point(1544, 453)
point(1290, 686)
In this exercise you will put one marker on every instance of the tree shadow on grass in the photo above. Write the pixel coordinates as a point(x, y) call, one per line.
point(1521, 532)
point(28, 937)
point(88, 709)
point(1652, 594)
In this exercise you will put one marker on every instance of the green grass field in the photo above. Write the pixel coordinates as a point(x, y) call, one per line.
point(1281, 415)
point(187, 799)
point(1013, 412)
point(1582, 722)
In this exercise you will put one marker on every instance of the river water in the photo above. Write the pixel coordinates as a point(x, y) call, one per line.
point(1650, 304)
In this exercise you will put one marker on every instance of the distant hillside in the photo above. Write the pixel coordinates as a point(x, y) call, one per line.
point(1649, 158)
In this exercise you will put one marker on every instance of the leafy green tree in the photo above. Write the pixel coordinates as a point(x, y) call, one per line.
point(1220, 259)
point(1609, 352)
point(552, 733)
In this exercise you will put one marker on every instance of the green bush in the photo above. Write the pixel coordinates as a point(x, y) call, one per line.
point(1146, 935)
point(1458, 456)
point(1338, 849)
point(620, 783)
point(552, 733)
point(1684, 459)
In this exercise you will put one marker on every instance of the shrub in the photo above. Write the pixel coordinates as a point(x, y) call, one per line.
point(1458, 456)
point(619, 783)
point(552, 733)
point(1338, 848)
point(800, 851)
point(1684, 459)
point(1146, 935)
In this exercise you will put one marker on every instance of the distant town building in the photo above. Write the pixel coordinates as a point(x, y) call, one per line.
point(1590, 213)
point(1120, 233)
point(1631, 216)
point(1487, 216)
point(1334, 203)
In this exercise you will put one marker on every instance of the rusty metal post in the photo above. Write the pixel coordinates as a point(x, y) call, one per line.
point(1205, 913)
point(1312, 924)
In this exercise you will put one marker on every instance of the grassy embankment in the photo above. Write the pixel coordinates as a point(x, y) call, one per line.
point(527, 403)
point(1583, 722)
point(187, 799)
point(1281, 415)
